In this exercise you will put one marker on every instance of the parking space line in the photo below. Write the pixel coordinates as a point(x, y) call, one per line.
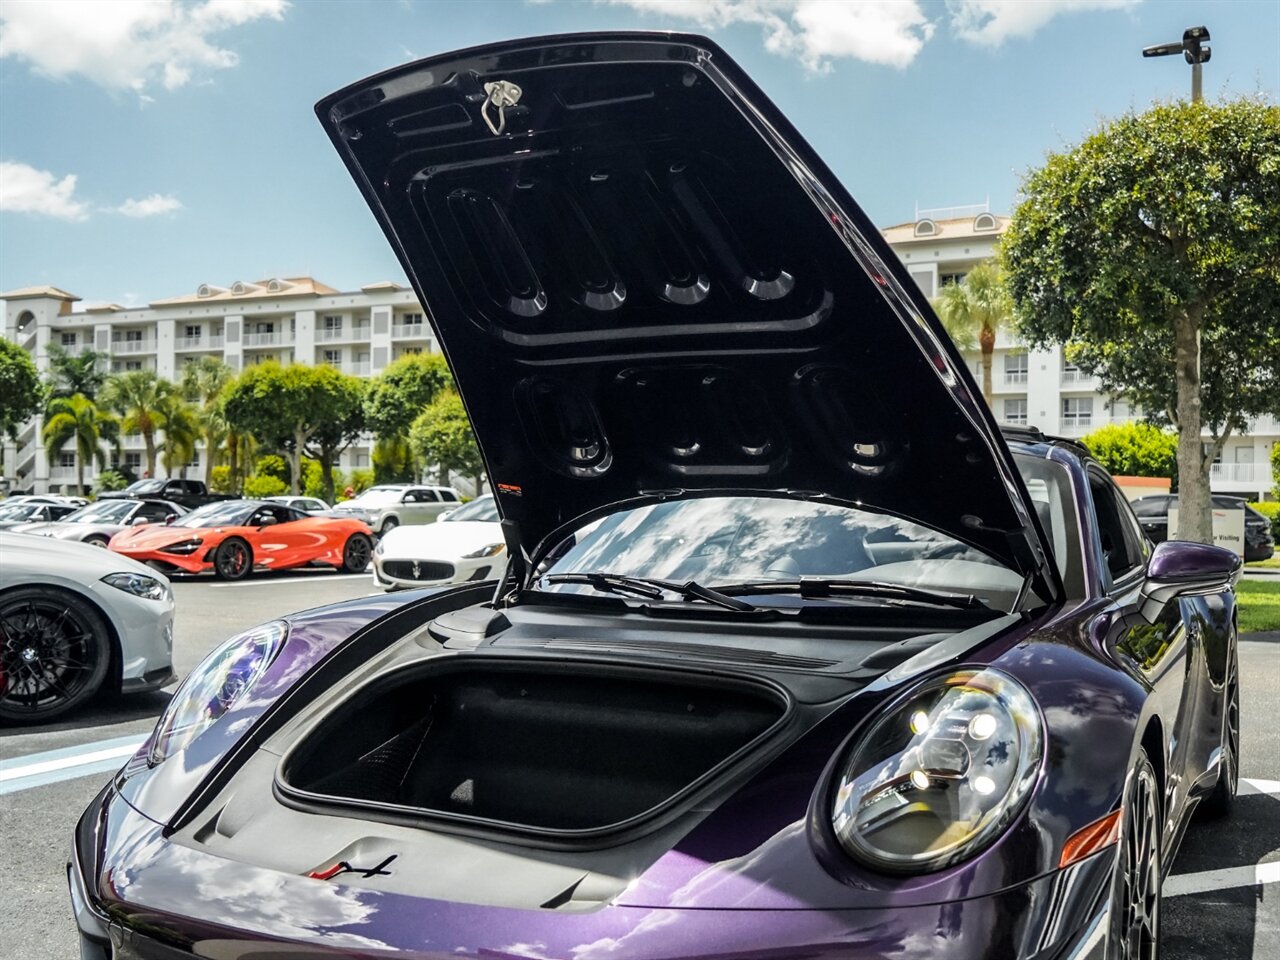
point(1250, 786)
point(38, 769)
point(1208, 880)
point(314, 578)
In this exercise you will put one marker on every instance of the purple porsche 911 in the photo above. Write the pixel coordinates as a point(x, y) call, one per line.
point(796, 654)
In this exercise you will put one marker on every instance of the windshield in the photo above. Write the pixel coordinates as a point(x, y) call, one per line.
point(728, 541)
point(105, 511)
point(482, 508)
point(229, 513)
point(19, 511)
point(145, 486)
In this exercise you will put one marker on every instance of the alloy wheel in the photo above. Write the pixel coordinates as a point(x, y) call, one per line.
point(51, 655)
point(1138, 875)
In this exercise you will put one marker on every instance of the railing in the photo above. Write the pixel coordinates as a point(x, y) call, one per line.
point(953, 213)
point(197, 343)
point(359, 368)
point(414, 331)
point(1240, 473)
point(267, 339)
point(133, 346)
point(1072, 375)
point(1015, 377)
point(64, 473)
point(331, 334)
point(1077, 426)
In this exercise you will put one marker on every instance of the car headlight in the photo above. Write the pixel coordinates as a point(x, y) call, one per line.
point(941, 774)
point(183, 547)
point(210, 690)
point(139, 584)
point(492, 550)
point(379, 547)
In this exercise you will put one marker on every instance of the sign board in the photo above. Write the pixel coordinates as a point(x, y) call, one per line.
point(1228, 528)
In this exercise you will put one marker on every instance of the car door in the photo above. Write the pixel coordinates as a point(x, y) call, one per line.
point(282, 538)
point(152, 511)
point(416, 505)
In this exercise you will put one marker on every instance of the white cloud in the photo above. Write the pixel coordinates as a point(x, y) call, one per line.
point(990, 23)
point(24, 189)
point(149, 206)
point(815, 32)
point(126, 44)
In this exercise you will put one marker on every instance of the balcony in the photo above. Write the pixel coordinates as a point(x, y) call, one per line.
point(67, 473)
point(358, 368)
point(411, 331)
point(197, 343)
point(1078, 426)
point(1015, 378)
point(328, 335)
point(133, 346)
point(1070, 376)
point(1240, 476)
point(267, 339)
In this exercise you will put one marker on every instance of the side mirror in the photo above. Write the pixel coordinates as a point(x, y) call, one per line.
point(139, 521)
point(267, 522)
point(1182, 568)
point(169, 518)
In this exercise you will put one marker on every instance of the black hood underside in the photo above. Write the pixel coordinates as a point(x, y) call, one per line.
point(648, 285)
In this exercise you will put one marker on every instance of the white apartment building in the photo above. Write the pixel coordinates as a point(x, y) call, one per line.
point(1040, 387)
point(286, 319)
point(300, 319)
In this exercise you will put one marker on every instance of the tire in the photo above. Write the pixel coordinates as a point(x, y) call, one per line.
point(233, 559)
point(96, 541)
point(356, 553)
point(1220, 803)
point(1136, 883)
point(388, 524)
point(55, 650)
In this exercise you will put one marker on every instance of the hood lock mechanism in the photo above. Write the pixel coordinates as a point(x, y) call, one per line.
point(500, 94)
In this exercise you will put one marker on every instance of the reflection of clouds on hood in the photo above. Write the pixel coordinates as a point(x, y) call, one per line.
point(246, 898)
point(632, 943)
point(739, 881)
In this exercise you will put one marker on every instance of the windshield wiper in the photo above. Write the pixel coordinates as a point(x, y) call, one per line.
point(650, 588)
point(839, 586)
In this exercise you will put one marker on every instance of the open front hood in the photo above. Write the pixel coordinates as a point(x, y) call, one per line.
point(647, 284)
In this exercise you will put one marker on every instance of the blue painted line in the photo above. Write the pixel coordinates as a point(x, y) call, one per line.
point(67, 763)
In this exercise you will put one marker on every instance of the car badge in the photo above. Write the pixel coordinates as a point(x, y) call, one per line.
point(417, 571)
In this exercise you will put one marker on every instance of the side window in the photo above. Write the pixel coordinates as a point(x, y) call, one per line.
point(1121, 537)
point(154, 512)
point(1150, 507)
point(427, 496)
point(448, 496)
point(174, 488)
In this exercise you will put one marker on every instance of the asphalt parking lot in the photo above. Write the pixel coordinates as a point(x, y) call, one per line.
point(1223, 901)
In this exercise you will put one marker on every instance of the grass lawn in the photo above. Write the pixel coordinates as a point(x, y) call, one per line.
point(1272, 563)
point(1259, 605)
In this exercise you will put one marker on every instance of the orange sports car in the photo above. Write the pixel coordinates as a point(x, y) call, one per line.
point(233, 537)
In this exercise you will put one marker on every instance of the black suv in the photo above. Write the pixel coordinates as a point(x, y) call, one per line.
point(1153, 514)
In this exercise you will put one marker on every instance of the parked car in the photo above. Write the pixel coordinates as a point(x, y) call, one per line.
point(188, 493)
point(33, 511)
point(309, 505)
point(97, 523)
point(465, 544)
point(75, 621)
point(43, 498)
point(387, 506)
point(795, 655)
point(235, 537)
point(1153, 514)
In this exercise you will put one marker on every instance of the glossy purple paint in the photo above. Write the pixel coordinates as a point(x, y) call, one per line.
point(1175, 561)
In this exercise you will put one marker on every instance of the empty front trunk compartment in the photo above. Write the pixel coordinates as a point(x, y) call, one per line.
point(541, 748)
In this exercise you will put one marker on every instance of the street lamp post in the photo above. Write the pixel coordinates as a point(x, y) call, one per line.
point(1194, 48)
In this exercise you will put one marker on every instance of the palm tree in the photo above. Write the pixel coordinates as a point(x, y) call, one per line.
point(79, 419)
point(181, 424)
point(71, 374)
point(136, 396)
point(203, 381)
point(973, 310)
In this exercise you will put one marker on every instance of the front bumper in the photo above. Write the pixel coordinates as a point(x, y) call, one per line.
point(137, 895)
point(391, 573)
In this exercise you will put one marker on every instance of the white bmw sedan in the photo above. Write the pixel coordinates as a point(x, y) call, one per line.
point(75, 619)
point(466, 544)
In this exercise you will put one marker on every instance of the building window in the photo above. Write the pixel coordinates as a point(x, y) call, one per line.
point(1077, 411)
point(1015, 368)
point(408, 350)
point(264, 327)
point(333, 324)
point(1071, 373)
point(133, 336)
point(362, 461)
point(412, 320)
point(67, 460)
point(333, 358)
point(926, 228)
point(1015, 411)
point(133, 365)
point(193, 331)
point(68, 339)
point(133, 462)
point(944, 279)
point(983, 221)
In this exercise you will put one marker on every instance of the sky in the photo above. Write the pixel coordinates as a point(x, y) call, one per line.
point(149, 146)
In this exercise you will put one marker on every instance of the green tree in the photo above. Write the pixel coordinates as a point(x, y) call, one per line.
point(1275, 468)
point(1151, 251)
point(203, 382)
point(1135, 450)
point(393, 461)
point(442, 435)
point(79, 373)
point(111, 480)
point(396, 397)
point(974, 310)
point(343, 426)
point(285, 408)
point(79, 421)
point(180, 422)
point(21, 395)
point(137, 396)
